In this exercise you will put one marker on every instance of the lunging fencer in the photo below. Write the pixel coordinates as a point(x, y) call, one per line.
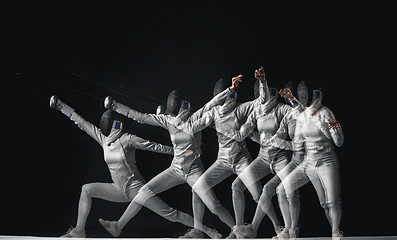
point(186, 166)
point(119, 154)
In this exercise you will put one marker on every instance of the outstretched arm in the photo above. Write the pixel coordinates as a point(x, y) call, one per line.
point(151, 119)
point(84, 125)
point(143, 144)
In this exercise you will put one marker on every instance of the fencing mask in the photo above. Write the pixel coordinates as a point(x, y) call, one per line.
point(229, 104)
point(111, 125)
point(174, 101)
point(219, 86)
point(303, 93)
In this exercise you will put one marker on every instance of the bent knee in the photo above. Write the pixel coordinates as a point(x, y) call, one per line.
point(200, 187)
point(333, 204)
point(143, 195)
point(269, 190)
point(86, 190)
point(238, 185)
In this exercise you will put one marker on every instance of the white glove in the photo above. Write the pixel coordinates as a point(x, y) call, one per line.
point(55, 103)
point(109, 103)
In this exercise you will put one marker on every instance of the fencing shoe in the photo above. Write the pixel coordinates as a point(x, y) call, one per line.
point(73, 233)
point(284, 234)
point(193, 233)
point(244, 231)
point(111, 227)
point(232, 235)
point(337, 235)
point(214, 234)
point(294, 233)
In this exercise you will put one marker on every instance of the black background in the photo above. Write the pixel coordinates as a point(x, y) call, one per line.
point(85, 53)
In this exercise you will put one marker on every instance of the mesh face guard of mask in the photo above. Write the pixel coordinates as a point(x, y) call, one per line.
point(110, 120)
point(173, 103)
point(303, 93)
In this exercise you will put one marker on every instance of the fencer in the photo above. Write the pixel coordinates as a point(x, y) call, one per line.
point(285, 132)
point(119, 154)
point(266, 118)
point(233, 156)
point(316, 133)
point(186, 166)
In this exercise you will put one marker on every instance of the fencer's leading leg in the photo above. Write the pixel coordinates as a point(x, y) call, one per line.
point(84, 209)
point(106, 191)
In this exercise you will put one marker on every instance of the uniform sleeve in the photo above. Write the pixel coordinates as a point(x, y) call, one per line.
point(243, 132)
point(264, 92)
point(336, 134)
point(143, 144)
point(217, 100)
point(151, 119)
point(284, 110)
point(87, 127)
point(199, 124)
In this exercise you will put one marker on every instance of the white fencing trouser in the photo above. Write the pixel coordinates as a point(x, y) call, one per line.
point(215, 174)
point(324, 175)
point(169, 178)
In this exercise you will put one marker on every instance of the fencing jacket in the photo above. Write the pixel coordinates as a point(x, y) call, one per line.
point(228, 147)
point(313, 135)
point(119, 155)
point(187, 144)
